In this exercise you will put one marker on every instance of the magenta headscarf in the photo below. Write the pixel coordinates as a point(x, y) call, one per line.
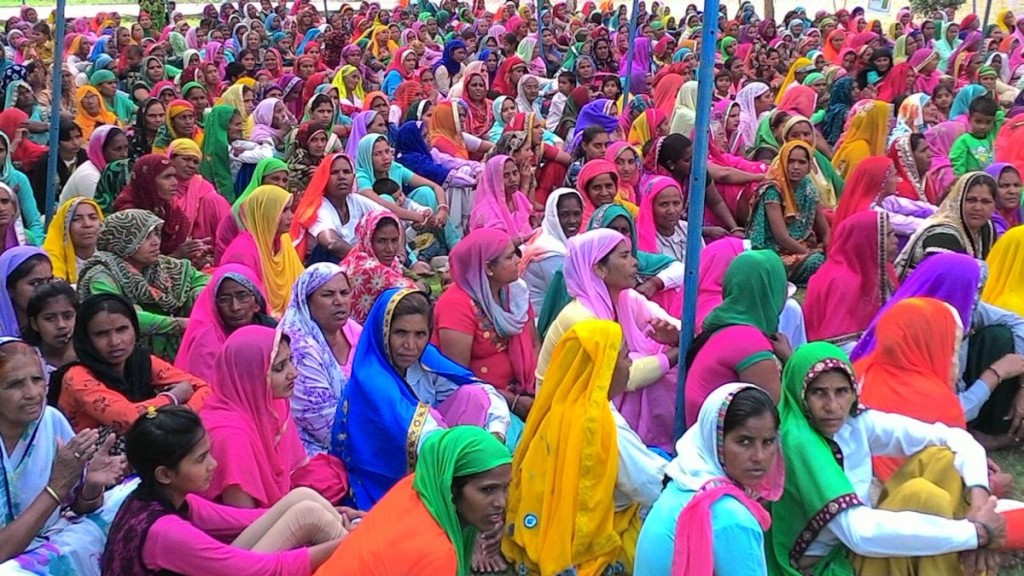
point(490, 208)
point(581, 282)
point(646, 231)
point(469, 261)
point(96, 141)
point(940, 139)
point(252, 435)
point(714, 261)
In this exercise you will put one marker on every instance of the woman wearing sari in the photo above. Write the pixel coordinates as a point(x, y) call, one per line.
point(865, 136)
point(481, 114)
point(1008, 196)
point(46, 467)
point(404, 391)
point(128, 262)
point(311, 141)
point(824, 521)
point(71, 237)
point(706, 520)
point(92, 111)
point(963, 223)
point(182, 121)
point(499, 204)
point(107, 144)
point(484, 320)
point(544, 252)
point(913, 157)
point(660, 225)
point(1004, 288)
point(323, 338)
point(233, 299)
point(458, 489)
point(203, 207)
point(855, 281)
point(580, 508)
point(264, 244)
point(788, 217)
point(873, 186)
point(153, 187)
point(940, 139)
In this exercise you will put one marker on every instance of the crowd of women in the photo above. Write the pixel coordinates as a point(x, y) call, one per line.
point(397, 291)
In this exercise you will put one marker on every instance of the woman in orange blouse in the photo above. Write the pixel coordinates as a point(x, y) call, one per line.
point(114, 380)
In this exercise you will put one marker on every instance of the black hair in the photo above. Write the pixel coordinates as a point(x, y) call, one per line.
point(161, 438)
point(244, 52)
point(42, 27)
point(42, 296)
point(384, 186)
point(568, 76)
point(510, 38)
point(233, 71)
point(673, 149)
point(729, 62)
point(915, 140)
point(984, 106)
point(133, 50)
point(981, 179)
point(111, 134)
point(412, 304)
point(67, 126)
point(723, 74)
point(941, 87)
point(777, 120)
point(746, 404)
point(25, 268)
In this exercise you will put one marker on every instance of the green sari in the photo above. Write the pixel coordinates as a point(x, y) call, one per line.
point(215, 165)
point(799, 267)
point(827, 174)
point(817, 489)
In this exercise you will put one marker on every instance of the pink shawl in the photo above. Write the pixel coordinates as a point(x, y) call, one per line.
point(203, 206)
point(941, 138)
point(206, 333)
point(646, 231)
point(490, 207)
point(584, 251)
point(243, 250)
point(95, 149)
point(714, 261)
point(252, 435)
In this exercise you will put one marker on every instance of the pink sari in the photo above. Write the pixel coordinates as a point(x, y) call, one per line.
point(203, 206)
point(490, 207)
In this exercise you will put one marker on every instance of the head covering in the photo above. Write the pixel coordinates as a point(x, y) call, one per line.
point(950, 277)
point(714, 263)
point(360, 123)
point(367, 275)
point(381, 405)
point(563, 497)
point(469, 261)
point(445, 129)
point(235, 98)
point(644, 126)
point(940, 139)
point(141, 192)
point(263, 119)
point(865, 136)
point(550, 239)
point(260, 214)
point(756, 272)
point(1005, 285)
point(89, 122)
point(684, 117)
point(864, 187)
point(254, 438)
point(748, 112)
point(592, 170)
point(9, 260)
point(962, 102)
point(596, 113)
point(216, 164)
point(414, 154)
point(58, 243)
point(490, 204)
point(911, 370)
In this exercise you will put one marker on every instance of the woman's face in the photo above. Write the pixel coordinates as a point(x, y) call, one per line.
point(508, 110)
point(988, 81)
point(476, 89)
point(124, 37)
point(148, 251)
point(1009, 189)
point(235, 127)
point(943, 99)
point(409, 61)
point(323, 114)
point(41, 273)
point(248, 100)
point(249, 61)
point(407, 339)
point(732, 121)
point(113, 337)
point(307, 69)
point(510, 177)
point(351, 80)
point(377, 125)
point(23, 391)
point(382, 156)
point(619, 268)
point(340, 181)
point(427, 79)
point(764, 102)
point(829, 398)
point(91, 103)
point(84, 228)
point(749, 450)
point(837, 42)
point(277, 178)
point(585, 69)
point(386, 242)
point(55, 322)
point(280, 116)
point(184, 123)
point(596, 147)
point(211, 76)
point(570, 214)
point(236, 304)
point(154, 69)
point(979, 204)
point(922, 156)
point(380, 106)
point(7, 209)
point(952, 31)
point(801, 131)
point(626, 165)
point(798, 166)
point(504, 269)
point(116, 147)
point(282, 372)
point(167, 183)
point(284, 223)
point(668, 209)
point(270, 61)
point(601, 190)
point(330, 305)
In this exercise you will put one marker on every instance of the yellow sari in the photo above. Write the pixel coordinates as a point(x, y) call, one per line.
point(234, 97)
point(866, 134)
point(1005, 286)
point(561, 513)
point(791, 76)
point(58, 239)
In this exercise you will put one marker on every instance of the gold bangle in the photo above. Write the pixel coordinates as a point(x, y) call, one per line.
point(53, 493)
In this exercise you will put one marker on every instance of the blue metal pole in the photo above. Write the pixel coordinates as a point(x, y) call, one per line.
point(695, 215)
point(629, 54)
point(55, 100)
point(540, 35)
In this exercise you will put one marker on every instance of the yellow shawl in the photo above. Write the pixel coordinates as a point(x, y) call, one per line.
point(58, 239)
point(234, 97)
point(260, 214)
point(1005, 286)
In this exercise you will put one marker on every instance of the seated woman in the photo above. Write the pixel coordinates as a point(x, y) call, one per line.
point(72, 235)
point(913, 157)
point(12, 230)
point(963, 223)
point(264, 244)
point(824, 520)
point(248, 418)
point(204, 208)
point(128, 262)
point(326, 217)
point(457, 491)
point(226, 152)
point(375, 264)
point(855, 281)
point(310, 145)
point(484, 320)
point(403, 391)
point(661, 224)
point(107, 144)
point(554, 524)
point(268, 172)
point(598, 184)
point(115, 379)
point(600, 276)
point(51, 313)
point(1008, 206)
point(498, 203)
point(165, 514)
point(22, 269)
point(787, 216)
point(233, 299)
point(48, 467)
point(1003, 287)
point(873, 185)
point(323, 338)
point(707, 520)
point(740, 339)
point(544, 252)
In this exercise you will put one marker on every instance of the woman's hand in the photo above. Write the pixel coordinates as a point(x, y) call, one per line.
point(104, 469)
point(71, 459)
point(648, 288)
point(663, 332)
point(781, 346)
point(441, 217)
point(983, 511)
point(182, 392)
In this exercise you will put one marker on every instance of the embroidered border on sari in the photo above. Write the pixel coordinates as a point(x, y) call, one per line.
point(419, 419)
point(817, 522)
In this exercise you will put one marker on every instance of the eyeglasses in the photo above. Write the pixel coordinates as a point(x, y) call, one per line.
point(240, 297)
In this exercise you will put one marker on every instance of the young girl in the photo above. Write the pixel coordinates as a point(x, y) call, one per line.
point(51, 320)
point(170, 451)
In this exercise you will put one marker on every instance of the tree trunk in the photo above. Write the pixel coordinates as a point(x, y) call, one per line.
point(769, 10)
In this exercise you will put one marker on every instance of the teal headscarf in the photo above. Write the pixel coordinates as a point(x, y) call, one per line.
point(364, 157)
point(650, 264)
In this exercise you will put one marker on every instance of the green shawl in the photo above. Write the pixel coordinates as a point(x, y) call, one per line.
point(448, 454)
point(264, 167)
point(817, 488)
point(216, 163)
point(113, 179)
point(753, 293)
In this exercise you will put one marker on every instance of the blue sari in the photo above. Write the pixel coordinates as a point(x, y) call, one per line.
point(378, 424)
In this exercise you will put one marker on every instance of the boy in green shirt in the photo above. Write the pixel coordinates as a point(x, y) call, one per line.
point(974, 151)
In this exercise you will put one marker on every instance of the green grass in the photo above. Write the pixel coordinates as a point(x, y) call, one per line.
point(50, 4)
point(1012, 462)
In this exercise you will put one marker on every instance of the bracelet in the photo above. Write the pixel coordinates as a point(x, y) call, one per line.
point(514, 402)
point(736, 229)
point(174, 400)
point(999, 377)
point(443, 207)
point(53, 493)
